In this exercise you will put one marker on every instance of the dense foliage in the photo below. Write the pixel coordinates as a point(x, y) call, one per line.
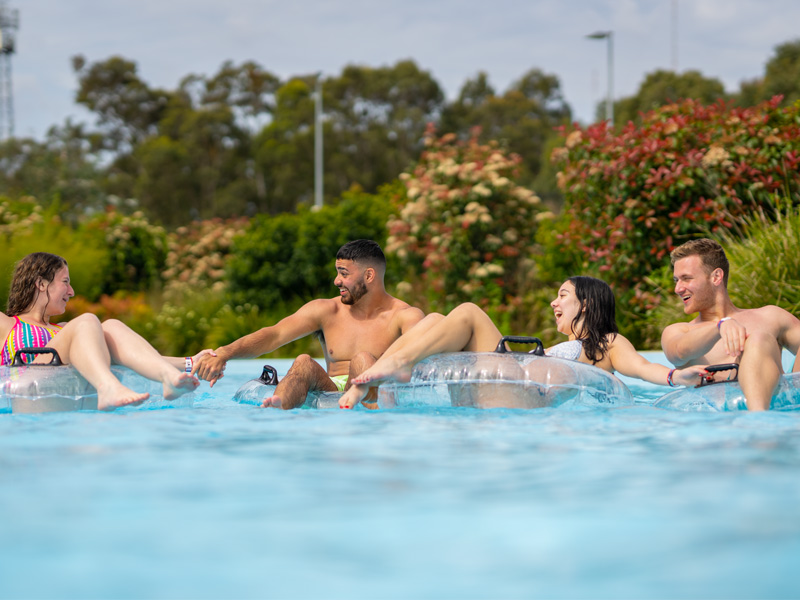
point(689, 169)
point(287, 259)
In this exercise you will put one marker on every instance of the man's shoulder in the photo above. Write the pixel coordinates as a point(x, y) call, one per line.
point(406, 310)
point(320, 308)
point(683, 325)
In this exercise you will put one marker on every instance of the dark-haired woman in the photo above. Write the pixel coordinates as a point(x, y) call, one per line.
point(584, 310)
point(40, 290)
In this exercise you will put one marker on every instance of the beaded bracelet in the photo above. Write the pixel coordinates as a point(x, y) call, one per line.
point(189, 364)
point(669, 378)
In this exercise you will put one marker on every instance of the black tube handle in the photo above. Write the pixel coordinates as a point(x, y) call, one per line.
point(520, 339)
point(55, 361)
point(709, 379)
point(269, 375)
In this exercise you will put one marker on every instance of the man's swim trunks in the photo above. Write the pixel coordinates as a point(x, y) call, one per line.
point(340, 381)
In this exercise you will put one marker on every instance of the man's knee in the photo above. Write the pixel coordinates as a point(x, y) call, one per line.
point(760, 342)
point(361, 362)
point(304, 363)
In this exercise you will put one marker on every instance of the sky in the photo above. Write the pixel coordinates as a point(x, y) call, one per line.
point(453, 40)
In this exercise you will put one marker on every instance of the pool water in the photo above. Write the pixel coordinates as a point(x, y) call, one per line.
point(225, 500)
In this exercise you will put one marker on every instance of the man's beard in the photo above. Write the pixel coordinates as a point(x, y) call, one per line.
point(354, 295)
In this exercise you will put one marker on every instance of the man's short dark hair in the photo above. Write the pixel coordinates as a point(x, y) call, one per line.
point(711, 254)
point(363, 251)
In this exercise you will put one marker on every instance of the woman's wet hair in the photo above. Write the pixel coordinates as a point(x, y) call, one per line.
point(598, 311)
point(24, 290)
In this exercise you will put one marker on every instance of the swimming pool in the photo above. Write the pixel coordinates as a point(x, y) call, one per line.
point(230, 501)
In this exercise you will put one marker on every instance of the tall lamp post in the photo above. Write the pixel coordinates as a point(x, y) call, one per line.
point(318, 143)
point(608, 35)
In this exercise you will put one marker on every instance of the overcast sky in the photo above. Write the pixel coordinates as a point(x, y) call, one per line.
point(452, 39)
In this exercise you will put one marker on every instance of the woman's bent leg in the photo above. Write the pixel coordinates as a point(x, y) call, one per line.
point(466, 328)
point(81, 343)
point(129, 349)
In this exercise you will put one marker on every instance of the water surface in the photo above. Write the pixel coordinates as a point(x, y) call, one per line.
point(226, 500)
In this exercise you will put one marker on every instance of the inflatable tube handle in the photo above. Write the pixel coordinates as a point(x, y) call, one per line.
point(517, 339)
point(55, 361)
point(269, 375)
point(709, 379)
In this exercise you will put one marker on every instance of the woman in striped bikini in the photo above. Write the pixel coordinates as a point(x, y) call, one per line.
point(40, 290)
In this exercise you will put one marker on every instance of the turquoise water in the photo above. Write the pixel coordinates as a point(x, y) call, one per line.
point(230, 501)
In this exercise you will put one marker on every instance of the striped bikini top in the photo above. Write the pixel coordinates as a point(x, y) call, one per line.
point(26, 335)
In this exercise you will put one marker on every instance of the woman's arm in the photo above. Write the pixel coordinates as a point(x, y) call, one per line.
point(626, 360)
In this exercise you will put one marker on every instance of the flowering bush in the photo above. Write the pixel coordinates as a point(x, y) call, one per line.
point(132, 309)
point(465, 231)
point(688, 170)
point(137, 250)
point(197, 255)
point(19, 216)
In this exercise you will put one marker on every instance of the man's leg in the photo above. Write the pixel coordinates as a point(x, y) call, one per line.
point(360, 363)
point(305, 375)
point(759, 370)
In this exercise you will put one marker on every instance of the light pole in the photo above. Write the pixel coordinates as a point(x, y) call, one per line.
point(608, 35)
point(318, 142)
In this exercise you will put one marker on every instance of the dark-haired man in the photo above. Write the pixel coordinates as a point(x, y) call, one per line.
point(354, 330)
point(723, 333)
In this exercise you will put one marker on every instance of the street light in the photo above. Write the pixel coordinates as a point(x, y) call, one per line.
point(318, 142)
point(608, 35)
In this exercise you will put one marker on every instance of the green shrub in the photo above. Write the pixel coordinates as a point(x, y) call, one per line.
point(137, 250)
point(282, 259)
point(44, 232)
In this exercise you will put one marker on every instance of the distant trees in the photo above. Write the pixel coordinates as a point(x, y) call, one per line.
point(240, 142)
point(781, 78)
point(665, 87)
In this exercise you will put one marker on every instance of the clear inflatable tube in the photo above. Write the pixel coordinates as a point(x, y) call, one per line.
point(509, 380)
point(728, 396)
point(483, 380)
point(44, 388)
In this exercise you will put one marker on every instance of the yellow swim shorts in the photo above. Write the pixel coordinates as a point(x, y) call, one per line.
point(340, 381)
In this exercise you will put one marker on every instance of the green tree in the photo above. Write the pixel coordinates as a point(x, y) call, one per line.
point(62, 169)
point(664, 87)
point(782, 75)
point(522, 120)
point(127, 108)
point(377, 119)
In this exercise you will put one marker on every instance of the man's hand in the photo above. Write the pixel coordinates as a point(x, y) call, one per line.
point(210, 367)
point(733, 335)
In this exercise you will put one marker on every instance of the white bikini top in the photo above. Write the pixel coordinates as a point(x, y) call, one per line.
point(570, 350)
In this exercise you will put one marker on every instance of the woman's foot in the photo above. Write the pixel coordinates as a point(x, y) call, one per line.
point(353, 396)
point(115, 395)
point(386, 369)
point(177, 383)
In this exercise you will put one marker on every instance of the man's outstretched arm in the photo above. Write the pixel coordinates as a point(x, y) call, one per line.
point(305, 321)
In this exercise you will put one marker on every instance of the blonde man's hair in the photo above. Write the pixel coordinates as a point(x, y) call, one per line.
point(711, 254)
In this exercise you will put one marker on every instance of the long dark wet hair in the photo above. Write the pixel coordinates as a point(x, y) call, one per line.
point(598, 311)
point(24, 290)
